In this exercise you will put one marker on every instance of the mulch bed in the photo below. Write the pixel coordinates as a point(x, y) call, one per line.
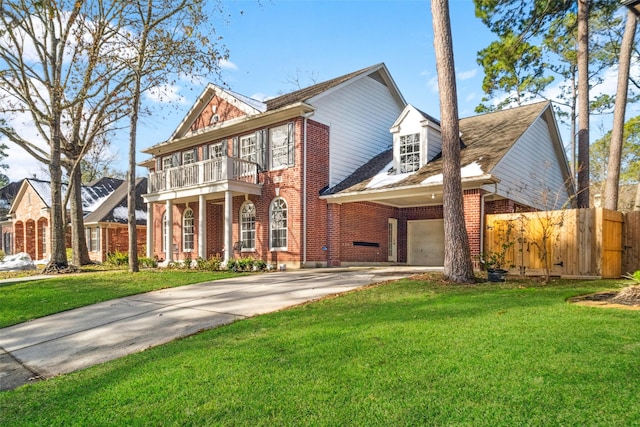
point(627, 298)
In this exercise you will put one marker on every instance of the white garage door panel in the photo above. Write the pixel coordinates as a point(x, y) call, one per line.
point(425, 242)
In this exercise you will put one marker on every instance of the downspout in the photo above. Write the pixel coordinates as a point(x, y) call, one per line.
point(304, 188)
point(495, 191)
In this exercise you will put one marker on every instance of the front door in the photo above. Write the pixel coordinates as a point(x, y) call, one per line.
point(393, 240)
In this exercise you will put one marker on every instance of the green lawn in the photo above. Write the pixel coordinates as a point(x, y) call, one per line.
point(404, 353)
point(23, 301)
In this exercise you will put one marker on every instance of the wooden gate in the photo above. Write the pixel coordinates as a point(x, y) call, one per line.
point(631, 254)
point(570, 243)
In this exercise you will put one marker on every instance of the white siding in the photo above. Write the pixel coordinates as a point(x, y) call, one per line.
point(531, 172)
point(359, 116)
point(434, 141)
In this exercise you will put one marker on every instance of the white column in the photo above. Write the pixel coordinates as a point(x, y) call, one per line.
point(169, 232)
point(202, 226)
point(228, 207)
point(150, 230)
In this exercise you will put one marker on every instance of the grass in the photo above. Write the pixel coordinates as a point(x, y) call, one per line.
point(404, 353)
point(22, 301)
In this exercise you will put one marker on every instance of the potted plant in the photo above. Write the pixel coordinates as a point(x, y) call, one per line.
point(496, 261)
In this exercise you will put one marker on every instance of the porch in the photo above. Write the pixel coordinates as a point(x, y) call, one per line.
point(218, 179)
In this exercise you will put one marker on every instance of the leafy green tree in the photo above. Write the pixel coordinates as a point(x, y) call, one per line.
point(629, 159)
point(541, 41)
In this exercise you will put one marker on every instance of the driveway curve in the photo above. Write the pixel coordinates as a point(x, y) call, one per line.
point(86, 336)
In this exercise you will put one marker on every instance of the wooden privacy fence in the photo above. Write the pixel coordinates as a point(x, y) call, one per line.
point(573, 243)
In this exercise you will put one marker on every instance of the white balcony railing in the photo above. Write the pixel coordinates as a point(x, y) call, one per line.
point(204, 172)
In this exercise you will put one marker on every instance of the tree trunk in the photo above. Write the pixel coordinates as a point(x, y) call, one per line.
point(457, 256)
point(58, 259)
point(636, 205)
point(80, 253)
point(612, 182)
point(583, 104)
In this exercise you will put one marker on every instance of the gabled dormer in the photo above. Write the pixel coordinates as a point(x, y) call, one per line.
point(416, 140)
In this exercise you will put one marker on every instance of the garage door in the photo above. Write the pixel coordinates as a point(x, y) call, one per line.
point(425, 242)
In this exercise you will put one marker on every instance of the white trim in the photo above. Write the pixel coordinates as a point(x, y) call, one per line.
point(241, 223)
point(286, 228)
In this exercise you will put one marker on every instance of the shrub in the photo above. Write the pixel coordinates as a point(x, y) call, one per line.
point(2, 254)
point(147, 262)
point(187, 260)
point(118, 258)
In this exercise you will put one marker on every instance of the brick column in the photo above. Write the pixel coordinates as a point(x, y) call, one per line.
point(228, 225)
point(333, 234)
point(169, 232)
point(202, 226)
point(150, 230)
point(472, 200)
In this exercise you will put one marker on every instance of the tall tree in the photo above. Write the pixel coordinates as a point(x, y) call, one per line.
point(583, 104)
point(54, 69)
point(167, 38)
point(615, 149)
point(457, 256)
point(34, 45)
point(4, 179)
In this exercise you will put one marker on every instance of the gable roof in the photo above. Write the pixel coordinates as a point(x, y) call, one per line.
point(298, 102)
point(114, 208)
point(486, 138)
point(92, 195)
point(306, 94)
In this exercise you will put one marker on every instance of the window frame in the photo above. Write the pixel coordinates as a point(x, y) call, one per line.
point(281, 140)
point(247, 227)
point(278, 202)
point(92, 235)
point(213, 149)
point(414, 155)
point(252, 156)
point(188, 230)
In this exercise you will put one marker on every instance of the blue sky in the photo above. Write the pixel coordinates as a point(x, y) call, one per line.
point(272, 41)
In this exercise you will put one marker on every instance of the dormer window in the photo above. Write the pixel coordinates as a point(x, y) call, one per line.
point(409, 153)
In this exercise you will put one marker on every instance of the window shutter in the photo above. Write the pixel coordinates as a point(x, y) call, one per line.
point(225, 148)
point(195, 154)
point(158, 164)
point(205, 152)
point(261, 136)
point(290, 144)
point(235, 148)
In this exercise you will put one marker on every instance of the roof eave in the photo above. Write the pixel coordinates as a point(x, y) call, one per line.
point(404, 191)
point(231, 127)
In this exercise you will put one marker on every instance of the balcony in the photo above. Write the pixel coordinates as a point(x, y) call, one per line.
point(223, 171)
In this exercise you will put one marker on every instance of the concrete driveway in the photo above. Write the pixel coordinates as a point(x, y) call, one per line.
point(76, 339)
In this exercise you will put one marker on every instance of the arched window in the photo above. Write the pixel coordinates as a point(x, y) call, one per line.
point(248, 226)
point(278, 224)
point(187, 230)
point(163, 232)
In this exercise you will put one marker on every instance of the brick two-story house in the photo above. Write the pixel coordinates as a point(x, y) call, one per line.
point(342, 172)
point(102, 203)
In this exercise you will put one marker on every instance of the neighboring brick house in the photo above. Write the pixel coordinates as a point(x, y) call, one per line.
point(316, 178)
point(106, 228)
point(29, 216)
point(7, 194)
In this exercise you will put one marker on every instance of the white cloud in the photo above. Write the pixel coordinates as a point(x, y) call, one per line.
point(465, 75)
point(432, 84)
point(227, 65)
point(261, 96)
point(166, 94)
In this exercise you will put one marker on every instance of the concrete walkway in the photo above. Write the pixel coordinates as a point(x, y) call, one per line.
point(83, 337)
